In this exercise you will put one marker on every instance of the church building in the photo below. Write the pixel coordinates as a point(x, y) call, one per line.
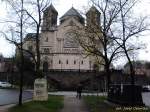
point(59, 49)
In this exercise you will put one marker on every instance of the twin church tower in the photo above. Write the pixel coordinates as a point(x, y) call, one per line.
point(59, 49)
point(50, 17)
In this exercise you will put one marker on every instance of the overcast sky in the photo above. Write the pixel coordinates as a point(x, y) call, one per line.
point(64, 5)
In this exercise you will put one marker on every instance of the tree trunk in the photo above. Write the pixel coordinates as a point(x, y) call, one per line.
point(132, 72)
point(21, 79)
point(132, 76)
point(38, 39)
point(108, 74)
point(37, 52)
point(21, 53)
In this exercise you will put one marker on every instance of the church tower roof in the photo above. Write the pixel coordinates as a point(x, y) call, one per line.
point(71, 13)
point(93, 8)
point(51, 7)
point(93, 17)
point(49, 18)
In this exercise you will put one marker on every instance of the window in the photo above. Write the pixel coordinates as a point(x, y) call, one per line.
point(67, 62)
point(70, 41)
point(30, 48)
point(59, 61)
point(90, 63)
point(82, 62)
point(74, 62)
point(46, 40)
point(46, 50)
point(45, 66)
point(51, 61)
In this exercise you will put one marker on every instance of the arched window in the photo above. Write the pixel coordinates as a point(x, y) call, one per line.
point(70, 41)
point(67, 62)
point(59, 62)
point(46, 50)
point(45, 66)
point(30, 48)
point(51, 61)
point(82, 62)
point(74, 62)
point(46, 39)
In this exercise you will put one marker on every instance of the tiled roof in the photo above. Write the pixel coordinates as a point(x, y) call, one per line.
point(30, 36)
point(72, 12)
point(51, 7)
point(94, 8)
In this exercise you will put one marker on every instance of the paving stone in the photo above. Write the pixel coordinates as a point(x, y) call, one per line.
point(73, 104)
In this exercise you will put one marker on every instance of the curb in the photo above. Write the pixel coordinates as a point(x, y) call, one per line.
point(5, 107)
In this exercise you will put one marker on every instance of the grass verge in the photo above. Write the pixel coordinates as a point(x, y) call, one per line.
point(54, 104)
point(97, 104)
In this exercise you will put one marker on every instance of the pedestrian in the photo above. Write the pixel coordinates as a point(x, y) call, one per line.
point(79, 91)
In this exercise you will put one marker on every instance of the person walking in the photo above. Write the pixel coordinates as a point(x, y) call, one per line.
point(79, 91)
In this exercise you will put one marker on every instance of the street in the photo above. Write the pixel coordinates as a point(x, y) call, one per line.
point(9, 96)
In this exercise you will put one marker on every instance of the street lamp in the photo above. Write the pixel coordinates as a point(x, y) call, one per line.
point(79, 65)
point(61, 65)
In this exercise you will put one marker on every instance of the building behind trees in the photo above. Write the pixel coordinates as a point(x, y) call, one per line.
point(58, 47)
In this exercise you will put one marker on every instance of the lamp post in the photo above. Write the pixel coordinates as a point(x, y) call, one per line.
point(61, 65)
point(79, 63)
point(45, 68)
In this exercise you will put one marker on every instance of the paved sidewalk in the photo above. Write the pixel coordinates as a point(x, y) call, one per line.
point(73, 93)
point(146, 98)
point(5, 107)
point(3, 110)
point(72, 104)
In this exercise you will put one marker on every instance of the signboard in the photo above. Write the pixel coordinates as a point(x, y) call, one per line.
point(40, 90)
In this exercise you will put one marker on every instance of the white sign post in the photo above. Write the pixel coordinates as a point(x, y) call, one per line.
point(40, 90)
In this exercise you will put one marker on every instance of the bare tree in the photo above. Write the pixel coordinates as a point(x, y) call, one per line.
point(131, 28)
point(35, 14)
point(105, 39)
point(28, 17)
point(96, 38)
point(18, 7)
point(33, 11)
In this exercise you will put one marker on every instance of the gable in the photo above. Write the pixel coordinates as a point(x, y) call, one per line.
point(69, 23)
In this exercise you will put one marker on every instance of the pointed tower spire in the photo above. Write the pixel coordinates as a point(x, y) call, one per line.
point(93, 16)
point(49, 18)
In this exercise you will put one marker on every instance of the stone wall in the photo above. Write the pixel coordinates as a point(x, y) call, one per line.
point(68, 80)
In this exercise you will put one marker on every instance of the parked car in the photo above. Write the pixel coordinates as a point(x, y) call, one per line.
point(5, 84)
point(146, 88)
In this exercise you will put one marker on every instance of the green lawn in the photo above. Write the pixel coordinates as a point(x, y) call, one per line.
point(97, 104)
point(54, 104)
